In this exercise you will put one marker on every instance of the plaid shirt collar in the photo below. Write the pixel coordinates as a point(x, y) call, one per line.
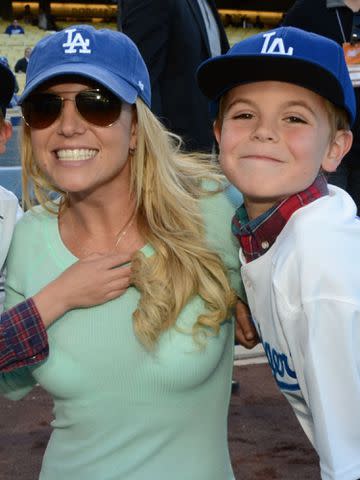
point(258, 235)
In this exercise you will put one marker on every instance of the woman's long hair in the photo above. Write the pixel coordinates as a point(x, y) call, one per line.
point(167, 186)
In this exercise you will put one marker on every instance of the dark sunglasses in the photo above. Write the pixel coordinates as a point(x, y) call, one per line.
point(97, 107)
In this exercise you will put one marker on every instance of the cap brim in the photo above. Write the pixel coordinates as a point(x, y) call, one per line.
point(116, 84)
point(7, 80)
point(218, 75)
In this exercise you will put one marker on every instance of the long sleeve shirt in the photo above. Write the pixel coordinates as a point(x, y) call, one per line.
point(101, 405)
point(23, 338)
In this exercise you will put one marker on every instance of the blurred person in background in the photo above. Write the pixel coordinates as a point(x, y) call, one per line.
point(174, 37)
point(22, 63)
point(14, 28)
point(28, 16)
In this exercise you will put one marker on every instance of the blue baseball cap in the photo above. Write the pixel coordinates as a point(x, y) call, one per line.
point(106, 56)
point(7, 84)
point(284, 54)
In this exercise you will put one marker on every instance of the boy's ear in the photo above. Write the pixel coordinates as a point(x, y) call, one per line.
point(338, 148)
point(217, 130)
point(5, 134)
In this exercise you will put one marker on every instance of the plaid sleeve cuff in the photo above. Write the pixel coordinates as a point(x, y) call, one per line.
point(23, 338)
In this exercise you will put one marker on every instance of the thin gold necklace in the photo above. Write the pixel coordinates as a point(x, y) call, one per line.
point(118, 238)
point(124, 230)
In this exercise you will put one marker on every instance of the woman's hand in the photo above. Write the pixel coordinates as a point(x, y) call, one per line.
point(90, 281)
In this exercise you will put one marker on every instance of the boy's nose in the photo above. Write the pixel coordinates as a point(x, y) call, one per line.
point(263, 138)
point(264, 132)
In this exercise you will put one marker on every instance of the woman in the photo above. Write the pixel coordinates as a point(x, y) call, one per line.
point(89, 281)
point(144, 380)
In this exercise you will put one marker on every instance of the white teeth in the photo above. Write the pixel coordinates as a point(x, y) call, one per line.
point(75, 155)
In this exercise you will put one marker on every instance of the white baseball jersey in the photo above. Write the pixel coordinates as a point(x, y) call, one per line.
point(304, 294)
point(10, 212)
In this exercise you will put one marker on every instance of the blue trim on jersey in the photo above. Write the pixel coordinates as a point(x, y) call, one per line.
point(287, 386)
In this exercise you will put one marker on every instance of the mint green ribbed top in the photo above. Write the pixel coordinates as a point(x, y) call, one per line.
point(121, 413)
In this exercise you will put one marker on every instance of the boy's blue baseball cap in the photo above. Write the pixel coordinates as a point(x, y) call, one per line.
point(106, 56)
point(284, 54)
point(7, 85)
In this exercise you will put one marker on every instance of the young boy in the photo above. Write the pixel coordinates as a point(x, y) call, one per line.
point(284, 104)
point(91, 281)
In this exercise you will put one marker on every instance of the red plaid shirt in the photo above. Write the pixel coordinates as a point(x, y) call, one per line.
point(23, 338)
point(258, 235)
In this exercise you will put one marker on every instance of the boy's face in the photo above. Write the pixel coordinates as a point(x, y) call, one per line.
point(274, 138)
point(5, 133)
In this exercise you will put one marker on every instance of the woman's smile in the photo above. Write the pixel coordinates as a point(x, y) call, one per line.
point(75, 154)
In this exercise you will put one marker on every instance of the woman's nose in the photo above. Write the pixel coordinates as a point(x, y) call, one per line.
point(70, 121)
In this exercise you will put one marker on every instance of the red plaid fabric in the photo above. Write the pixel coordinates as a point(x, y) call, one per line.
point(23, 338)
point(258, 235)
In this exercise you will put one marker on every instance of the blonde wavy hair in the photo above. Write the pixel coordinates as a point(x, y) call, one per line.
point(167, 186)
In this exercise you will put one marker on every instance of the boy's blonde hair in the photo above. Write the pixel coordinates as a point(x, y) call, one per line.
point(167, 186)
point(338, 118)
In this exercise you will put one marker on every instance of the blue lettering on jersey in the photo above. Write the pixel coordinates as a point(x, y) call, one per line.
point(280, 368)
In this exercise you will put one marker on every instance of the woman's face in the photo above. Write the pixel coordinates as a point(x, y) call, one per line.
point(79, 157)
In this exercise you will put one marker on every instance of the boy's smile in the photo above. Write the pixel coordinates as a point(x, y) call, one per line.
point(274, 137)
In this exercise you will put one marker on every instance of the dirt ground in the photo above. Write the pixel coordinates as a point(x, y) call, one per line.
point(266, 443)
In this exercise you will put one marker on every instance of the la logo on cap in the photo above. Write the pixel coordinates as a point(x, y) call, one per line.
point(76, 43)
point(276, 45)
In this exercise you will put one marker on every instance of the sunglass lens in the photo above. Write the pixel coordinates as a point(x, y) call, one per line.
point(41, 110)
point(99, 108)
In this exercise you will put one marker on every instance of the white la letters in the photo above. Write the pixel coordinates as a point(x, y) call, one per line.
point(276, 46)
point(76, 43)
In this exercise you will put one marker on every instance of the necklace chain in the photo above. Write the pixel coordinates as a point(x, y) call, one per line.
point(124, 230)
point(119, 236)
